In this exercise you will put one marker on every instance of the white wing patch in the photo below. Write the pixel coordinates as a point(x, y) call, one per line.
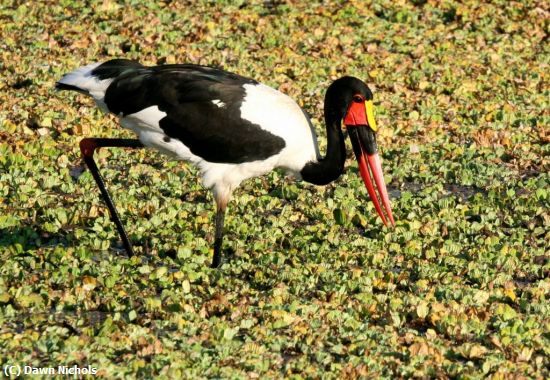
point(146, 124)
point(218, 102)
point(148, 119)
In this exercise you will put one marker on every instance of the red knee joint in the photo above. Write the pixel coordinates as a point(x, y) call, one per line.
point(88, 147)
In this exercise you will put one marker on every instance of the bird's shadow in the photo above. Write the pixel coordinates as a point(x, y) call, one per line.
point(30, 237)
point(26, 239)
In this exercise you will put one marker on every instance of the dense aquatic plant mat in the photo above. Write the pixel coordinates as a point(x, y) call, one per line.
point(316, 285)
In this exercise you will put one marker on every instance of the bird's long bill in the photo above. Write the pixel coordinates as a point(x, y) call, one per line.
point(363, 141)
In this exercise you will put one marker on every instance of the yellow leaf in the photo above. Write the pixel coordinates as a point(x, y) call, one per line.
point(301, 328)
point(356, 272)
point(476, 351)
point(422, 309)
point(374, 73)
point(510, 294)
point(496, 341)
point(431, 334)
point(186, 286)
point(4, 297)
point(318, 32)
point(468, 86)
point(419, 349)
point(171, 59)
point(525, 354)
point(88, 283)
point(81, 129)
point(9, 126)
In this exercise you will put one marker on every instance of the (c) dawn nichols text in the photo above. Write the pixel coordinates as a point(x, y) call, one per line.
point(60, 370)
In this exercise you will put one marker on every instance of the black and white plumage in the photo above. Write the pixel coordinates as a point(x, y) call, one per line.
point(233, 128)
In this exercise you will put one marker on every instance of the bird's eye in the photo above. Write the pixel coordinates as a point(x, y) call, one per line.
point(358, 98)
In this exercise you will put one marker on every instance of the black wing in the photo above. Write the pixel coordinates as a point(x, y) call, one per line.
point(187, 94)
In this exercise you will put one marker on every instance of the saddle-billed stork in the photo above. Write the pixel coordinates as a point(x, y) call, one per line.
point(233, 128)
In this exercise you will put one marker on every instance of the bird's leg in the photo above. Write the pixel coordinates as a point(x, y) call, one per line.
point(220, 216)
point(88, 147)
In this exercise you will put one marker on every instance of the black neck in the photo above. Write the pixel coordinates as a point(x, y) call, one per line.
point(331, 166)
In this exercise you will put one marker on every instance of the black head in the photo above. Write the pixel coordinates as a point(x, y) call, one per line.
point(348, 104)
point(342, 92)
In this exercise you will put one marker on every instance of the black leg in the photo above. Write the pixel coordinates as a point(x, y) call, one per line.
point(88, 147)
point(217, 259)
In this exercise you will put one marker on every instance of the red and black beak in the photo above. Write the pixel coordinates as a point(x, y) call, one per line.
point(361, 128)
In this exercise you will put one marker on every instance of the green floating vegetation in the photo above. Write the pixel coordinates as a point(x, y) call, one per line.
point(316, 286)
